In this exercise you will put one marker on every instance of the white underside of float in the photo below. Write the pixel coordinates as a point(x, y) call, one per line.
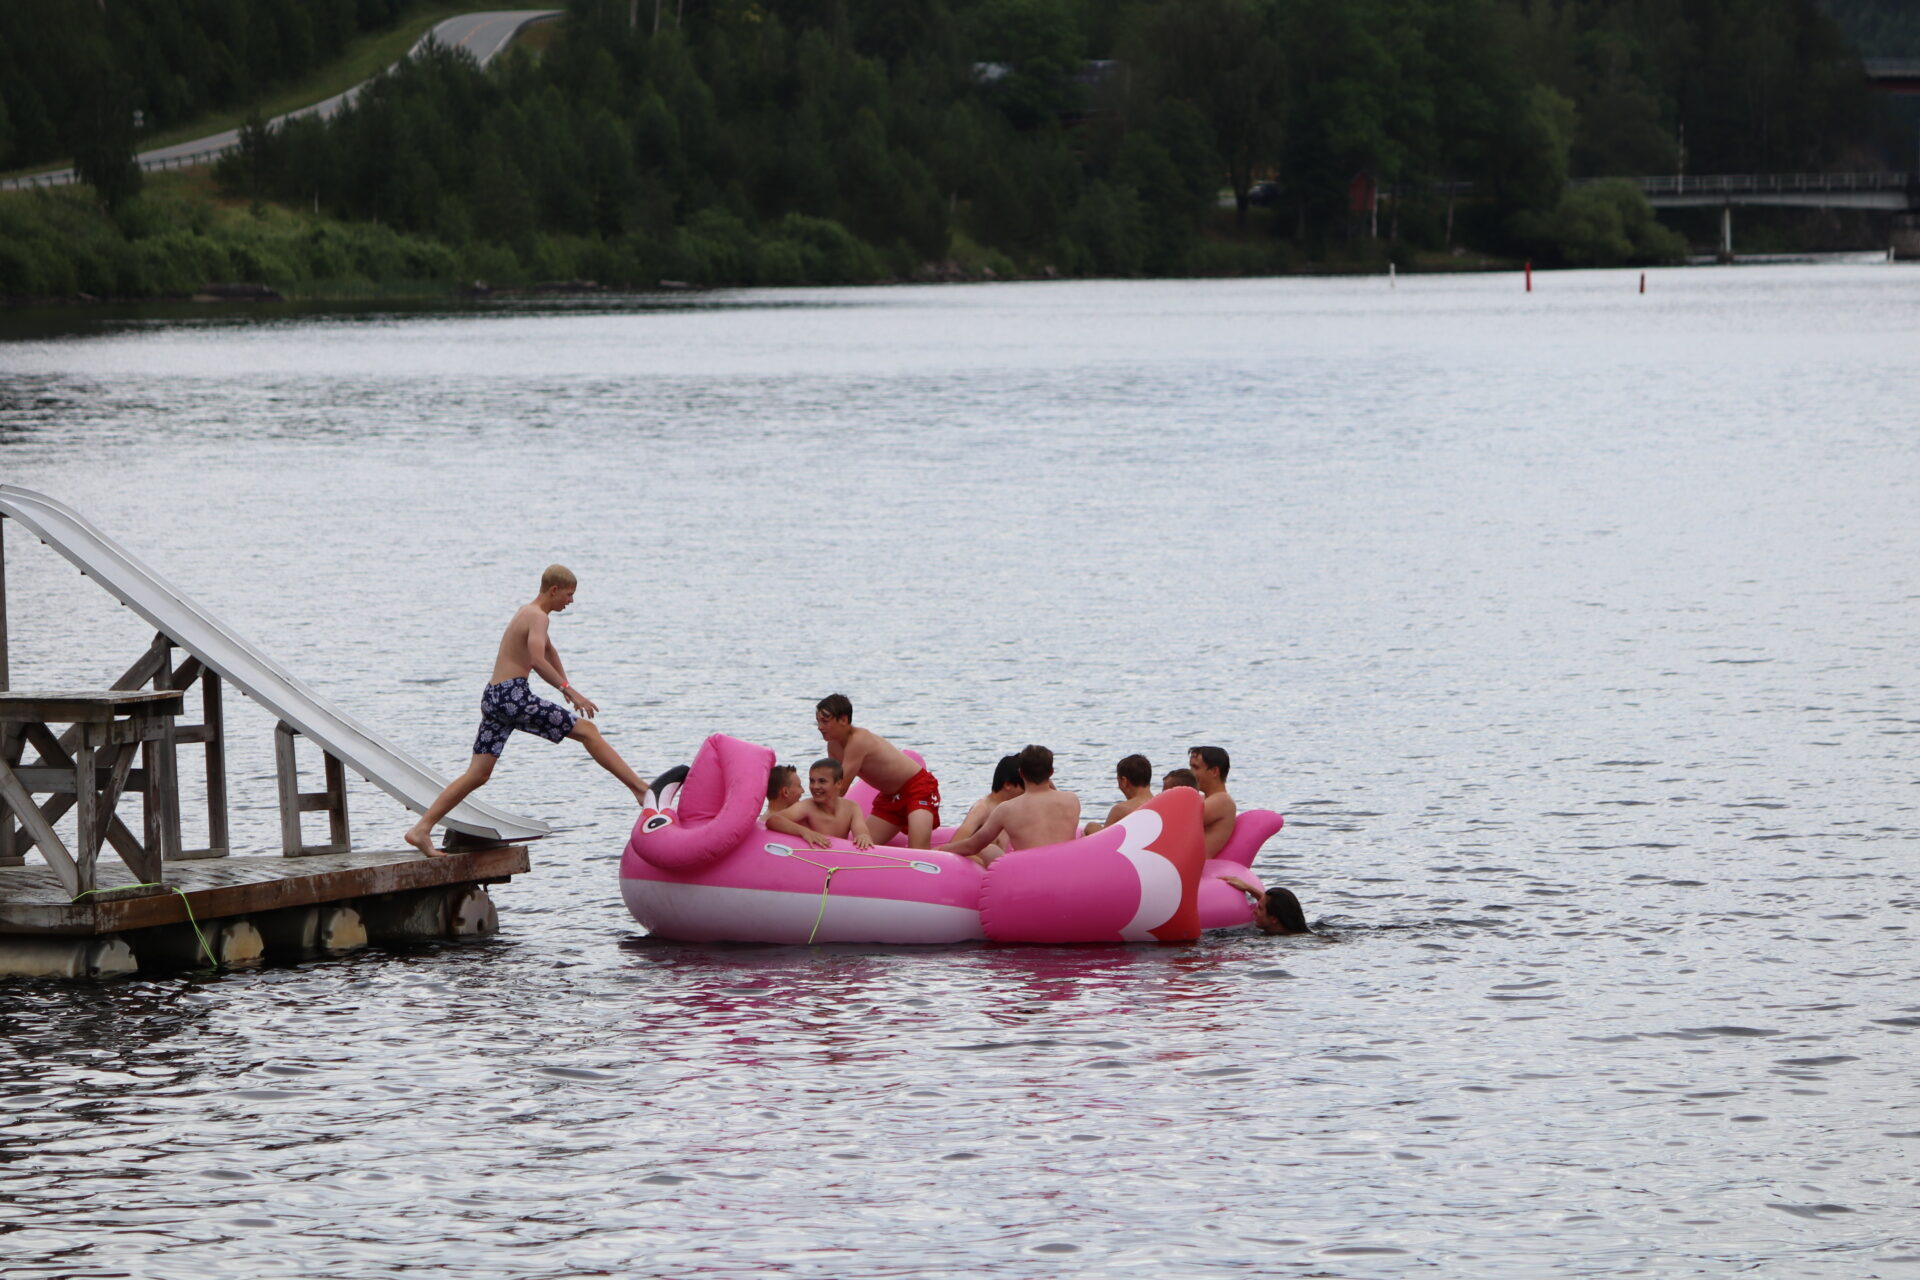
point(718, 913)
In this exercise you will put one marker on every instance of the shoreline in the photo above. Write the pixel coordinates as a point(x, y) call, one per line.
point(255, 294)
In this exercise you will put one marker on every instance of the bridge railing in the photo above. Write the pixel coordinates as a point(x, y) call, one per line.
point(1749, 183)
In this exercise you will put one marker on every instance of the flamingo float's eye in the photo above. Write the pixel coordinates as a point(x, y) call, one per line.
point(656, 822)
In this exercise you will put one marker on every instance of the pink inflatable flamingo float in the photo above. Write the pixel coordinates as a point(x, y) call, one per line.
point(700, 867)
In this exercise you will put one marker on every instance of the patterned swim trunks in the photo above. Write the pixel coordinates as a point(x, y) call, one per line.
point(511, 705)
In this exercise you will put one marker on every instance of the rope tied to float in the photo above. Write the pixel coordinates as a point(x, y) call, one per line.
point(212, 960)
point(826, 886)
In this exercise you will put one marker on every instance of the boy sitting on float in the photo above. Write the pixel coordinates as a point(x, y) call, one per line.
point(825, 814)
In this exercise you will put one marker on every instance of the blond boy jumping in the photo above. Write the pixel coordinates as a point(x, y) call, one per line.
point(509, 703)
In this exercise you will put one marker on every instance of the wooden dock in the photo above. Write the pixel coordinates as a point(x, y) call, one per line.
point(33, 901)
point(71, 759)
point(232, 913)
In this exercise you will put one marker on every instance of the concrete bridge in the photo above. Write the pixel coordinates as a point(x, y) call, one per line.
point(1889, 192)
point(1896, 192)
point(1894, 75)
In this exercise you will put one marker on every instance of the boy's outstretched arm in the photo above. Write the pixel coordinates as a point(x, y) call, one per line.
point(862, 837)
point(979, 839)
point(787, 826)
point(546, 660)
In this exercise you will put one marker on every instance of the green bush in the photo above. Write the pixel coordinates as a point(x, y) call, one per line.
point(779, 262)
point(1603, 224)
point(830, 253)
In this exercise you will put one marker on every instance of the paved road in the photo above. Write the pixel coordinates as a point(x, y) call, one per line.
point(482, 34)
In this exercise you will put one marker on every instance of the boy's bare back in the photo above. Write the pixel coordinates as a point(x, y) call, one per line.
point(1039, 817)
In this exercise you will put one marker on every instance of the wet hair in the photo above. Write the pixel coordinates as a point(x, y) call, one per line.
point(1213, 758)
point(1136, 770)
point(558, 575)
point(778, 779)
point(1284, 909)
point(1178, 778)
point(1036, 763)
point(1007, 771)
point(831, 765)
point(836, 705)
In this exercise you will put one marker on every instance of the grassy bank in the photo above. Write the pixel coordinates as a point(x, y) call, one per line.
point(176, 238)
point(181, 235)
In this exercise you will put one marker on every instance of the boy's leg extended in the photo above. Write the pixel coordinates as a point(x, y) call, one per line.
point(479, 769)
point(881, 830)
point(588, 734)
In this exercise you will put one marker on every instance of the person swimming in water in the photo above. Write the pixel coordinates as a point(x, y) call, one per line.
point(1275, 911)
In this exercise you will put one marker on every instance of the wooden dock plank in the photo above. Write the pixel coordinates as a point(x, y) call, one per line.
point(33, 901)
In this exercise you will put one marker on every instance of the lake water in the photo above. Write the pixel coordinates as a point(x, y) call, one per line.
point(1573, 631)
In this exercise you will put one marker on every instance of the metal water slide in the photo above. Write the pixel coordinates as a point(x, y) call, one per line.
point(191, 627)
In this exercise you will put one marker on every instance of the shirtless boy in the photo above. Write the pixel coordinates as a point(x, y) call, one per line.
point(825, 814)
point(1134, 777)
point(1209, 765)
point(783, 789)
point(509, 704)
point(1041, 815)
point(1177, 778)
point(909, 798)
point(1006, 785)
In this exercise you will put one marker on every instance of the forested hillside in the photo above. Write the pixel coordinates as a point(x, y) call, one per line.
point(1880, 28)
point(816, 140)
point(73, 69)
point(1079, 135)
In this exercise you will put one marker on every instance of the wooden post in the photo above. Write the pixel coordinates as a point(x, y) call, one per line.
point(286, 774)
point(12, 746)
point(213, 717)
point(294, 801)
point(210, 733)
point(89, 823)
point(4, 676)
point(337, 805)
point(157, 757)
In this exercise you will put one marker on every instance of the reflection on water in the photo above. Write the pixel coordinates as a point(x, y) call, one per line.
point(1571, 630)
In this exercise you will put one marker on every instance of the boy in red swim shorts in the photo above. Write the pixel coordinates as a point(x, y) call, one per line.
point(909, 798)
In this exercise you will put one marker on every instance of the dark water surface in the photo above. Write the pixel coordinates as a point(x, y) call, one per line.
point(1574, 632)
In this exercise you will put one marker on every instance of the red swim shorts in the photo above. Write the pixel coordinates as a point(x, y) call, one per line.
point(921, 792)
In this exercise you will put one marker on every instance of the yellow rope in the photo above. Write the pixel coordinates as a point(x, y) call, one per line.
point(826, 887)
point(212, 960)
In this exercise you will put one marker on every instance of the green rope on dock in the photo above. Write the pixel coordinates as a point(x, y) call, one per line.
point(213, 961)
